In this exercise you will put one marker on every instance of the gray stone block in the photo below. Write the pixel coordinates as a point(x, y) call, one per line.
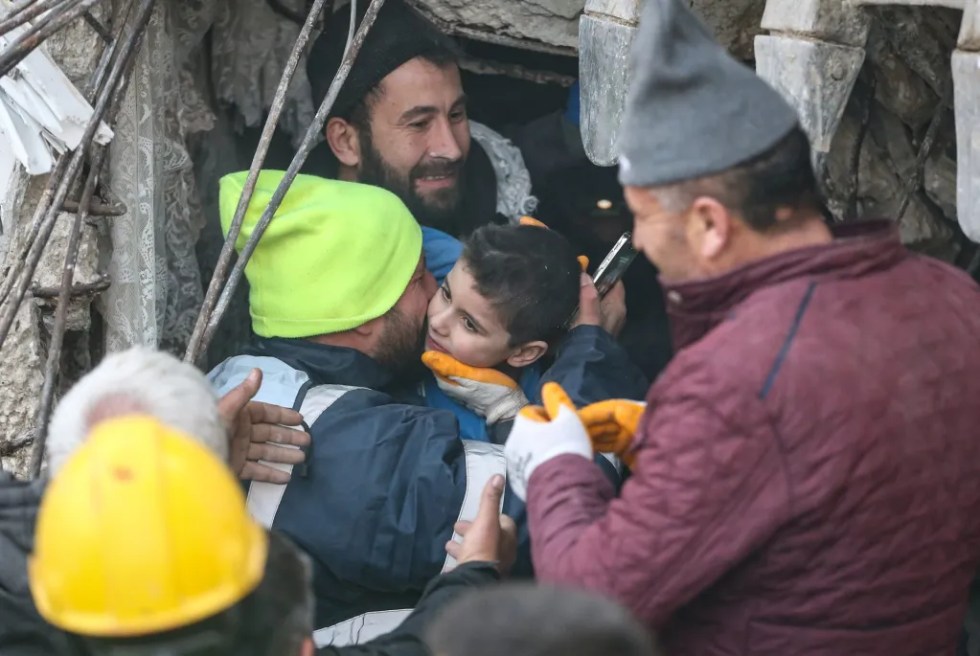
point(970, 27)
point(827, 20)
point(966, 84)
point(624, 10)
point(552, 23)
point(604, 75)
point(816, 77)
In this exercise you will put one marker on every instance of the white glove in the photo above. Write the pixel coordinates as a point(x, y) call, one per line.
point(534, 440)
point(487, 392)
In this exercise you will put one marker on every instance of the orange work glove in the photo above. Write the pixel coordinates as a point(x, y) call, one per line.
point(612, 425)
point(487, 392)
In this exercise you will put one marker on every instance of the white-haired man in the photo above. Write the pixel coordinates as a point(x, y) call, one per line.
point(136, 381)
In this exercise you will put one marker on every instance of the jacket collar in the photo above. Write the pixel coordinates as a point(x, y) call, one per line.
point(696, 307)
point(327, 365)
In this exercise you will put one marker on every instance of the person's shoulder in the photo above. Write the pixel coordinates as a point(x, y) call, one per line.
point(732, 361)
point(377, 416)
point(937, 276)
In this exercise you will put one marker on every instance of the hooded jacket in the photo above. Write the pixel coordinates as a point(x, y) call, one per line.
point(808, 468)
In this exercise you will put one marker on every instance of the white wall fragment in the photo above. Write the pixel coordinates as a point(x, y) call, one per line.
point(42, 114)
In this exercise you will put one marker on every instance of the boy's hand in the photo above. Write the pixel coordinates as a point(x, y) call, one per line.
point(486, 392)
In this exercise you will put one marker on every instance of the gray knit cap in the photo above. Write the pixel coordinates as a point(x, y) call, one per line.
point(692, 109)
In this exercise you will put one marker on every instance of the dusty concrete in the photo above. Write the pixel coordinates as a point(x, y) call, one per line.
point(735, 23)
point(23, 354)
point(555, 22)
point(20, 386)
point(549, 22)
point(817, 77)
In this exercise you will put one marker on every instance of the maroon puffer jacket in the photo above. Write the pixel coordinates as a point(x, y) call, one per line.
point(808, 474)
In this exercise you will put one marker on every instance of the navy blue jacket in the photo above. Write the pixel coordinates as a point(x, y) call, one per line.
point(385, 476)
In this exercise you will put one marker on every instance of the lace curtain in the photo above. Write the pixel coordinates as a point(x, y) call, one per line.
point(156, 287)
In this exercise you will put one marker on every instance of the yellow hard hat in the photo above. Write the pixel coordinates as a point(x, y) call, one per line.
point(143, 531)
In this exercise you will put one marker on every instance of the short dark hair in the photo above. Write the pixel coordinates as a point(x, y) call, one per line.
point(360, 114)
point(779, 177)
point(530, 620)
point(400, 33)
point(273, 620)
point(529, 274)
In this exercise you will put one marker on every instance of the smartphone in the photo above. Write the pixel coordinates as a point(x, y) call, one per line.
point(615, 264)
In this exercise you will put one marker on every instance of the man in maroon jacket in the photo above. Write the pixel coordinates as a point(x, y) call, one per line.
point(806, 474)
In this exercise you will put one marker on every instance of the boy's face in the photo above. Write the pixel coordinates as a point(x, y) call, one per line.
point(465, 325)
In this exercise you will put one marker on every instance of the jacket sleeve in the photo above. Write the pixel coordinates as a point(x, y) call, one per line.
point(22, 630)
point(592, 367)
point(384, 486)
point(408, 638)
point(704, 494)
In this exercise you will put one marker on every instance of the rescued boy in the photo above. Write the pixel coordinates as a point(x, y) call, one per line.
point(503, 306)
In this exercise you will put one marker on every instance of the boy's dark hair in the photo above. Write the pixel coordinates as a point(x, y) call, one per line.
point(779, 177)
point(529, 274)
point(524, 619)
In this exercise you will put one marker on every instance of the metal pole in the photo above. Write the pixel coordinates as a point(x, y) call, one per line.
point(309, 141)
point(219, 293)
point(25, 44)
point(54, 179)
point(25, 11)
point(53, 364)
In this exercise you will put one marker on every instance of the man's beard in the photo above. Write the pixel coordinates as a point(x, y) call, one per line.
point(400, 346)
point(439, 210)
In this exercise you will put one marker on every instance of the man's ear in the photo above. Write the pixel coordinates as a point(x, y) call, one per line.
point(343, 140)
point(528, 353)
point(709, 227)
point(307, 649)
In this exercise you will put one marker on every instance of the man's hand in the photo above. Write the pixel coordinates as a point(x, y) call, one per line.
point(486, 392)
point(612, 425)
point(257, 431)
point(608, 312)
point(542, 433)
point(491, 537)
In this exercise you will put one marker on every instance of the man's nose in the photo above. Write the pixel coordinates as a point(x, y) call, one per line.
point(443, 143)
